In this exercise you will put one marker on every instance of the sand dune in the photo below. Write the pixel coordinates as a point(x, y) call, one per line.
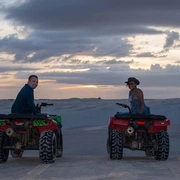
point(85, 156)
point(83, 112)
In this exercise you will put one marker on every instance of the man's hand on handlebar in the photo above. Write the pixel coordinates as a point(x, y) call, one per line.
point(42, 105)
point(46, 104)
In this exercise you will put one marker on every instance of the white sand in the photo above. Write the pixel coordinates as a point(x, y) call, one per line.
point(85, 112)
point(85, 157)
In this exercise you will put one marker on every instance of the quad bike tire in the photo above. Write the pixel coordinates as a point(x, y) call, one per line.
point(16, 153)
point(60, 148)
point(4, 153)
point(47, 147)
point(149, 152)
point(161, 151)
point(107, 146)
point(116, 145)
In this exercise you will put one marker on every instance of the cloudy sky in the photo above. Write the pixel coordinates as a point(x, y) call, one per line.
point(89, 48)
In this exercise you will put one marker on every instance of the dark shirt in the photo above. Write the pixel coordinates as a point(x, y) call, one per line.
point(24, 102)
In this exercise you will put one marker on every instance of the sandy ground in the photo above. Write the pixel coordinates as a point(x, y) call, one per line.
point(85, 156)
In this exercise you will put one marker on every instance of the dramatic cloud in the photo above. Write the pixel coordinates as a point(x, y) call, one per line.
point(85, 14)
point(115, 76)
point(16, 68)
point(83, 27)
point(92, 42)
point(170, 39)
point(39, 47)
point(145, 54)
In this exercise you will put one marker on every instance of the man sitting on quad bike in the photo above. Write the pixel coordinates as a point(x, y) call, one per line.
point(136, 97)
point(24, 102)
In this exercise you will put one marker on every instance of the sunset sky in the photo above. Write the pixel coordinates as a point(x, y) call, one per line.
point(89, 48)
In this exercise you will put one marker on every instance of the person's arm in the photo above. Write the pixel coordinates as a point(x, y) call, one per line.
point(30, 102)
point(141, 99)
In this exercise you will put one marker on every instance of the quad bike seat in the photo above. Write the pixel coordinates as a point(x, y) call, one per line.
point(140, 116)
point(26, 116)
point(3, 116)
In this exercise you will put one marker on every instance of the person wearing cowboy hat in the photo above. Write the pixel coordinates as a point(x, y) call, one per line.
point(136, 97)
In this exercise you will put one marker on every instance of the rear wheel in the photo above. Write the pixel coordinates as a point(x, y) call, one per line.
point(15, 153)
point(116, 144)
point(161, 151)
point(60, 144)
point(47, 147)
point(4, 153)
point(149, 152)
point(107, 146)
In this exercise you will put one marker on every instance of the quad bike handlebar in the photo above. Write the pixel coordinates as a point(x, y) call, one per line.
point(46, 104)
point(43, 105)
point(124, 106)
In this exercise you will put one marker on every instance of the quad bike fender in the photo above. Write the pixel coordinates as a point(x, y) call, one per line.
point(120, 124)
point(162, 122)
point(159, 125)
point(4, 126)
point(51, 125)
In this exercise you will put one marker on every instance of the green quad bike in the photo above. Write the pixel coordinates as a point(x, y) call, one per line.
point(20, 132)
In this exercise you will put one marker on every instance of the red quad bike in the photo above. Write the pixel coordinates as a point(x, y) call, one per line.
point(138, 132)
point(19, 132)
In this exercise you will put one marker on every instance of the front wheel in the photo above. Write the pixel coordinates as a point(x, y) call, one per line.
point(149, 152)
point(4, 153)
point(47, 147)
point(161, 151)
point(60, 146)
point(16, 153)
point(108, 146)
point(116, 144)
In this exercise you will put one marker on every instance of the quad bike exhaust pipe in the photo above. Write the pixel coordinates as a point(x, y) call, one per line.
point(9, 132)
point(130, 131)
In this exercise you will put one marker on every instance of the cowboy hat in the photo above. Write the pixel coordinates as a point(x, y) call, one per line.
point(133, 79)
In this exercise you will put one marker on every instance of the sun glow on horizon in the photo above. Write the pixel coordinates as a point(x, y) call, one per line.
point(77, 87)
point(88, 86)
